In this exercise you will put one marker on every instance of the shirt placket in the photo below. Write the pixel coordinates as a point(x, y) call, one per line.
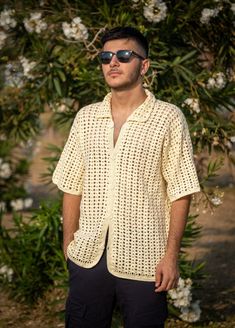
point(113, 151)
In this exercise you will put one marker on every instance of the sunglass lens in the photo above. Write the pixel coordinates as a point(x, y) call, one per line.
point(124, 56)
point(105, 57)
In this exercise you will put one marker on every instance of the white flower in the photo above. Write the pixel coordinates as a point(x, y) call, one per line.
point(216, 201)
point(35, 23)
point(181, 296)
point(6, 272)
point(228, 144)
point(193, 103)
point(62, 108)
point(27, 66)
point(27, 144)
point(64, 105)
point(2, 206)
point(210, 83)
point(13, 75)
point(192, 313)
point(230, 74)
point(233, 7)
point(215, 141)
point(232, 139)
point(204, 131)
point(207, 14)
point(155, 11)
point(6, 21)
point(28, 202)
point(3, 37)
point(5, 170)
point(17, 204)
point(220, 80)
point(217, 80)
point(76, 30)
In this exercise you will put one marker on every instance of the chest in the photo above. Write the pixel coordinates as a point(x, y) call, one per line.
point(118, 124)
point(122, 138)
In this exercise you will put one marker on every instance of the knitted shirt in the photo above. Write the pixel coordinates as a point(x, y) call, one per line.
point(128, 189)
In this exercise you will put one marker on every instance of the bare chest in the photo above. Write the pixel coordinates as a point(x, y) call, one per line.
point(118, 123)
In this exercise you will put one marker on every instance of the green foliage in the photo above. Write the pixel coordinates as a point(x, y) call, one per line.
point(51, 161)
point(11, 181)
point(192, 231)
point(188, 268)
point(32, 249)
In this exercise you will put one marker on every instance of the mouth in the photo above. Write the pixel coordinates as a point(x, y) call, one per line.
point(114, 73)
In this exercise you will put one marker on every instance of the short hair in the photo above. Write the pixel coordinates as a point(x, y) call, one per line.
point(126, 33)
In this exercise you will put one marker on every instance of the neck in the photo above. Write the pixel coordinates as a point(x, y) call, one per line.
point(127, 100)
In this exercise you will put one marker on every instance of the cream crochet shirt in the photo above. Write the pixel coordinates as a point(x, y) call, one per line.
point(126, 190)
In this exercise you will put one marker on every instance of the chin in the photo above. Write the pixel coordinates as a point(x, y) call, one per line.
point(120, 86)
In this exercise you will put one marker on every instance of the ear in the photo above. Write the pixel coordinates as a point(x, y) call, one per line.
point(145, 66)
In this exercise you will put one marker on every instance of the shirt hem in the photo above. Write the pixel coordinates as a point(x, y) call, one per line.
point(188, 192)
point(126, 275)
point(113, 272)
point(88, 265)
point(69, 191)
point(130, 277)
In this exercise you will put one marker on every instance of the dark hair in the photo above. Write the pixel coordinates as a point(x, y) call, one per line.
point(126, 33)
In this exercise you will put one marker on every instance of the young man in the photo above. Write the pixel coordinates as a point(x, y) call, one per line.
point(127, 174)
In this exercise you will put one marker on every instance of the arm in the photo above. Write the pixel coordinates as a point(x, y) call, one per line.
point(167, 271)
point(71, 214)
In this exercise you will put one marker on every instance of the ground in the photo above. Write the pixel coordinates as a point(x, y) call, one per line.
point(215, 246)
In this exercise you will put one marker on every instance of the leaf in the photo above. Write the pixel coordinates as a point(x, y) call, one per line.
point(61, 75)
point(57, 86)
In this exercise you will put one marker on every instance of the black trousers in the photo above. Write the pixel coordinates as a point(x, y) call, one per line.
point(94, 292)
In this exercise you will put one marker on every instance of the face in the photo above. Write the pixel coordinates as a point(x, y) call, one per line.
point(124, 76)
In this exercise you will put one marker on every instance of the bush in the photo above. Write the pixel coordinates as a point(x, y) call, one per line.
point(32, 250)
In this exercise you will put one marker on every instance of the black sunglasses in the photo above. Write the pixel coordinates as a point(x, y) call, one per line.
point(123, 56)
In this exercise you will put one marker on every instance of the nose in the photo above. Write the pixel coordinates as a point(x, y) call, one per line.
point(114, 61)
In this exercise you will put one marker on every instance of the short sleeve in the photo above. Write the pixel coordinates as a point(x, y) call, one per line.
point(178, 166)
point(69, 172)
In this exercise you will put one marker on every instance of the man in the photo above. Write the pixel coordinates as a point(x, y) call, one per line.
point(127, 174)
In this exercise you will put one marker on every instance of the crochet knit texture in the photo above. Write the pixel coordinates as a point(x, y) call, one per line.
point(128, 189)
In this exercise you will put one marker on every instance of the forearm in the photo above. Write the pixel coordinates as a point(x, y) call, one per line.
point(71, 215)
point(167, 271)
point(178, 217)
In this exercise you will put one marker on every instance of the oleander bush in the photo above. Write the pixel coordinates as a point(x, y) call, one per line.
point(31, 253)
point(48, 63)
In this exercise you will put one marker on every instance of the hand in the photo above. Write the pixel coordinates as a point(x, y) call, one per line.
point(167, 274)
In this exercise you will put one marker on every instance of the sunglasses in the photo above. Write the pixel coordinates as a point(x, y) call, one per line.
point(123, 56)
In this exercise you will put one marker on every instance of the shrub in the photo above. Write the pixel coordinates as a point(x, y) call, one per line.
point(32, 249)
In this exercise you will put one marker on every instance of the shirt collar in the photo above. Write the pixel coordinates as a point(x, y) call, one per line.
point(140, 114)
